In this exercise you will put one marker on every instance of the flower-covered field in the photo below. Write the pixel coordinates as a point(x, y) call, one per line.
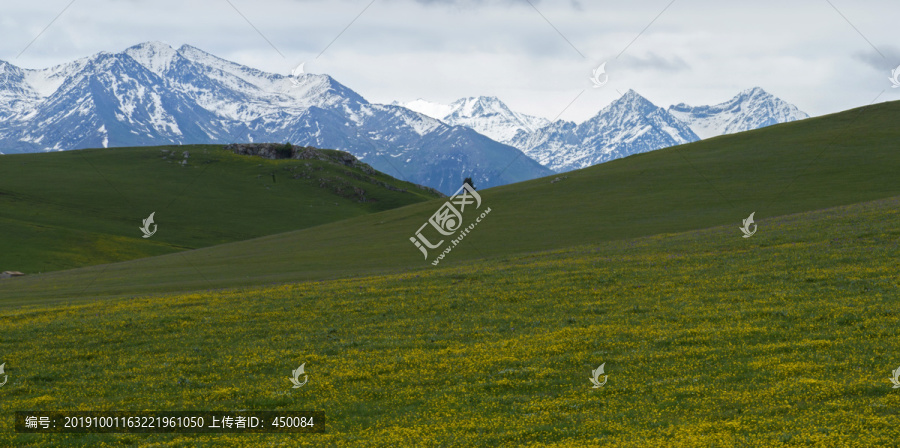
point(709, 339)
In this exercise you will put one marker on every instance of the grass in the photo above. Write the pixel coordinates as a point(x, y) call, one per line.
point(72, 209)
point(812, 164)
point(709, 339)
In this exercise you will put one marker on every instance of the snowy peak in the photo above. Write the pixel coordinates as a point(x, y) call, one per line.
point(487, 115)
point(12, 78)
point(6, 67)
point(155, 56)
point(304, 91)
point(112, 96)
point(632, 98)
point(634, 114)
point(231, 74)
point(628, 104)
point(476, 106)
point(750, 109)
point(490, 106)
point(322, 91)
point(427, 108)
point(629, 125)
point(152, 94)
point(17, 97)
point(755, 92)
point(201, 57)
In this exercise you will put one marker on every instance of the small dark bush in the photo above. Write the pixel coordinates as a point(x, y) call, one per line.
point(285, 152)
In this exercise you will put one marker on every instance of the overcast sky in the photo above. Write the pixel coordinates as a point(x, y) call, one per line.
point(821, 55)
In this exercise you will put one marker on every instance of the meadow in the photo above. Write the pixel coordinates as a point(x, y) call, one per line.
point(71, 209)
point(821, 162)
point(709, 339)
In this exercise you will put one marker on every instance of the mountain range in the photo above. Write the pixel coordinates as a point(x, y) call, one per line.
point(485, 114)
point(629, 125)
point(153, 94)
point(751, 109)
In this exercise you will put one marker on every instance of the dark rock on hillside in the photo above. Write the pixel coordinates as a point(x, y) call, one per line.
point(275, 151)
point(284, 151)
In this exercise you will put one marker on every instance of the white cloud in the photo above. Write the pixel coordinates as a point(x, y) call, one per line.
point(697, 51)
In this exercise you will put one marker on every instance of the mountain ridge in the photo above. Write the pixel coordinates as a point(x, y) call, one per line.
point(752, 108)
point(629, 125)
point(153, 94)
point(615, 130)
point(694, 186)
point(485, 114)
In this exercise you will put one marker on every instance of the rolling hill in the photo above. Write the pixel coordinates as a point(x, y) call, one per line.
point(78, 208)
point(153, 94)
point(812, 164)
point(708, 339)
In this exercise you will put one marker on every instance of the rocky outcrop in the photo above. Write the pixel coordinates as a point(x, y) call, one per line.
point(288, 151)
point(276, 151)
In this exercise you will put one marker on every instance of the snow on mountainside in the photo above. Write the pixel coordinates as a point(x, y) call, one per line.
point(433, 110)
point(629, 125)
point(489, 116)
point(485, 114)
point(152, 94)
point(17, 96)
point(751, 109)
point(155, 56)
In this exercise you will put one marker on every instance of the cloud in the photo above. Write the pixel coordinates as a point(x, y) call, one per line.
point(887, 57)
point(653, 61)
point(536, 59)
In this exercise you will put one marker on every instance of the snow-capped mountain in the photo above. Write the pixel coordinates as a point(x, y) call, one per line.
point(153, 94)
point(751, 109)
point(485, 114)
point(629, 125)
point(425, 107)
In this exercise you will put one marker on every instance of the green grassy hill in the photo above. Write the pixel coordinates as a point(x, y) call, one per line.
point(78, 208)
point(709, 339)
point(807, 165)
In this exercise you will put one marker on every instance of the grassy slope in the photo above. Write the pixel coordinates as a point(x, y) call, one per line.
point(79, 208)
point(709, 339)
point(807, 165)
